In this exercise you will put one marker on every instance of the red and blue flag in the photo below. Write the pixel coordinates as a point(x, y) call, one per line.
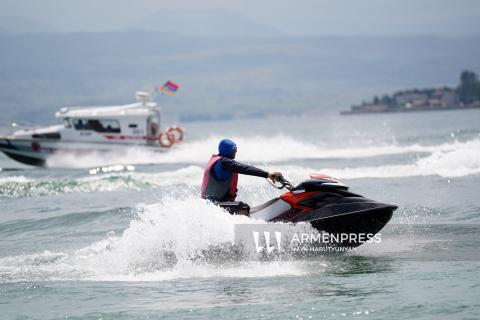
point(169, 87)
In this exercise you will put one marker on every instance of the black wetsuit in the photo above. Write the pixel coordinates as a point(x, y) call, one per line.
point(218, 188)
point(231, 165)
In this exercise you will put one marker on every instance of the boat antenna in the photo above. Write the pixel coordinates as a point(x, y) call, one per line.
point(143, 96)
point(155, 91)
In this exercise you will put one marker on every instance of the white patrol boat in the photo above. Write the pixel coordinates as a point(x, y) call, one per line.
point(87, 129)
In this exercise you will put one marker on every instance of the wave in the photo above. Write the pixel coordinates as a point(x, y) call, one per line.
point(182, 238)
point(449, 161)
point(83, 223)
point(167, 240)
point(254, 149)
point(461, 161)
point(445, 161)
point(22, 186)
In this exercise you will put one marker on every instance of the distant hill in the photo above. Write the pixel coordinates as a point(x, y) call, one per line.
point(221, 76)
point(464, 24)
point(210, 22)
point(17, 25)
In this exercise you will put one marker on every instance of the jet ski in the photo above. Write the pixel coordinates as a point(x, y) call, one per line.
point(325, 203)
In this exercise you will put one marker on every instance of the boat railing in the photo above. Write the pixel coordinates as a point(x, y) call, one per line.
point(23, 125)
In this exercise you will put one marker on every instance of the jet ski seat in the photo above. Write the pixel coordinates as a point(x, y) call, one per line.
point(263, 206)
point(235, 207)
point(239, 207)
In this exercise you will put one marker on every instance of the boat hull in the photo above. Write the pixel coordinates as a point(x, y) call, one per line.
point(32, 161)
point(37, 152)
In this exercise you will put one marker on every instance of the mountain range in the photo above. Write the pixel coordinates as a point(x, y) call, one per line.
point(217, 22)
point(220, 76)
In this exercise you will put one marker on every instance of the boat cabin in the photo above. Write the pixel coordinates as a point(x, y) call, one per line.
point(137, 123)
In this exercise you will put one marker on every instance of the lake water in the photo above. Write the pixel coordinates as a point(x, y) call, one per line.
point(78, 243)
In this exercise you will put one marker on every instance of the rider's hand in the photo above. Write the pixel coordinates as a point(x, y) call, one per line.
point(274, 176)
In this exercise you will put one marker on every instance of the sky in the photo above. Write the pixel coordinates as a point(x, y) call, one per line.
point(299, 17)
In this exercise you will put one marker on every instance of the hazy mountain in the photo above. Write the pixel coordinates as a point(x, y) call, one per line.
point(220, 77)
point(210, 22)
point(466, 24)
point(18, 25)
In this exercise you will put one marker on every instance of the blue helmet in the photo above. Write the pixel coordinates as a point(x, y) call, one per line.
point(226, 148)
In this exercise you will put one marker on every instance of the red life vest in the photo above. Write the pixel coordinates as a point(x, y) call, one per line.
point(206, 178)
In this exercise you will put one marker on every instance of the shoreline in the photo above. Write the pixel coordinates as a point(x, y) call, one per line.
point(400, 110)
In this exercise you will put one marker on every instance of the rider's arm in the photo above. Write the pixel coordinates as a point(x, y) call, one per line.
point(234, 166)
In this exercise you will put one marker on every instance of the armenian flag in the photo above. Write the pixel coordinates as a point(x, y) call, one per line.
point(169, 87)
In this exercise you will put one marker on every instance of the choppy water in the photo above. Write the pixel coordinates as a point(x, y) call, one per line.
point(135, 242)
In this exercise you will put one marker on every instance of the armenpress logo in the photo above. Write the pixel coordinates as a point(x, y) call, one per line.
point(268, 247)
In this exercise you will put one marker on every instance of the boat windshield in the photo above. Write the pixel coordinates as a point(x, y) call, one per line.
point(97, 125)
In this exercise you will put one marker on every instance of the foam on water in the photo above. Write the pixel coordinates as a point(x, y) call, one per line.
point(463, 160)
point(258, 149)
point(21, 186)
point(176, 239)
point(450, 160)
point(167, 240)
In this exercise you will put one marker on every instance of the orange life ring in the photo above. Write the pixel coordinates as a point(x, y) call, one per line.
point(168, 142)
point(176, 132)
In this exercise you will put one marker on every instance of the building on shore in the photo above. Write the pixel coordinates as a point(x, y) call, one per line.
point(466, 95)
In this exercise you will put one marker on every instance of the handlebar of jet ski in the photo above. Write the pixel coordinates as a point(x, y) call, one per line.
point(284, 183)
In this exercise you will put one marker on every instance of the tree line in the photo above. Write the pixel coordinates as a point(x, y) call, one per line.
point(469, 88)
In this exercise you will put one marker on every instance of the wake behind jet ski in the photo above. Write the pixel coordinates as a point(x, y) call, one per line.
point(326, 204)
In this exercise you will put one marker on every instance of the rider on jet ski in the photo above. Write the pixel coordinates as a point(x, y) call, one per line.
point(221, 174)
